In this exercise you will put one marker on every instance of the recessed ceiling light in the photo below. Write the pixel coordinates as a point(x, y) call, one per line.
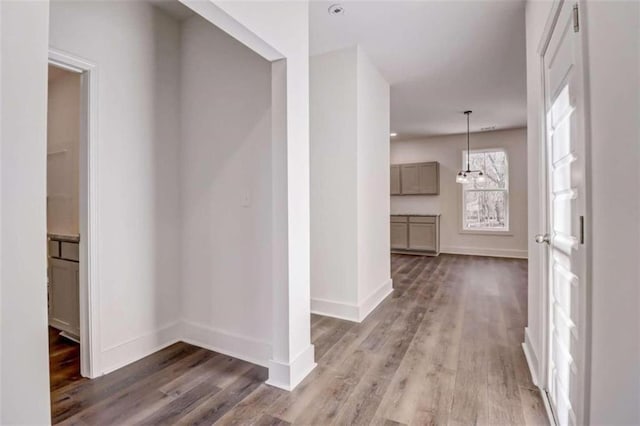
point(393, 135)
point(336, 9)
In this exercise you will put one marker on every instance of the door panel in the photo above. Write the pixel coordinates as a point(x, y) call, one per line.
point(422, 236)
point(399, 236)
point(428, 176)
point(395, 180)
point(64, 295)
point(410, 179)
point(565, 205)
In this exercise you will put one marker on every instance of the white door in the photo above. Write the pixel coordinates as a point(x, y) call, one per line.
point(565, 204)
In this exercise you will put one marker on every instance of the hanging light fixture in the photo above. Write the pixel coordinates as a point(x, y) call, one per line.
point(467, 176)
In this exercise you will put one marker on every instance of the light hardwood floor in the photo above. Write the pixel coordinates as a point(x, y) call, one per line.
point(444, 348)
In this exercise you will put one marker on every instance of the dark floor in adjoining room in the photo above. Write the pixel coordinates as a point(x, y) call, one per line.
point(444, 348)
point(64, 360)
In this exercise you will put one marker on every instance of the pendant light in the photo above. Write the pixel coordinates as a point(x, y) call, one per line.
point(468, 176)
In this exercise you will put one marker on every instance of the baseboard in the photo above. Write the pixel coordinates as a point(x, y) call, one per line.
point(373, 300)
point(532, 359)
point(352, 312)
point(330, 308)
point(532, 362)
point(547, 406)
point(491, 252)
point(287, 376)
point(241, 347)
point(125, 353)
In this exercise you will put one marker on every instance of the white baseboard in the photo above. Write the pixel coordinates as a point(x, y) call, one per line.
point(281, 374)
point(530, 355)
point(330, 308)
point(132, 350)
point(349, 311)
point(374, 299)
point(241, 347)
point(491, 252)
point(287, 376)
point(532, 362)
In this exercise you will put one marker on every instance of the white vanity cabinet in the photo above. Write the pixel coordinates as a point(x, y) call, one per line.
point(64, 286)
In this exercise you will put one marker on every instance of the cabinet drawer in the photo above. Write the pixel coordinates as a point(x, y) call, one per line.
point(54, 248)
point(398, 219)
point(70, 251)
point(422, 219)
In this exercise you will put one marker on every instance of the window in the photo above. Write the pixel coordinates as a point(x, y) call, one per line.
point(485, 205)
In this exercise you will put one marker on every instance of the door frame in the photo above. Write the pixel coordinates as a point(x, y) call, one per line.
point(89, 291)
point(583, 409)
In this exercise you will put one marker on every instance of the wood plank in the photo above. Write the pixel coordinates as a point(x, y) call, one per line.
point(217, 406)
point(252, 410)
point(445, 348)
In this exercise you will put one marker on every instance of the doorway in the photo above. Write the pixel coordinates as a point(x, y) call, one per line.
point(71, 231)
point(565, 199)
point(63, 235)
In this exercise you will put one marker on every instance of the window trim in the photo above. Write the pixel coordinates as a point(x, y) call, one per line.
point(507, 231)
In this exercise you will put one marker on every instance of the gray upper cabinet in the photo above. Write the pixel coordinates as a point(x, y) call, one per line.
point(395, 180)
point(429, 178)
point(415, 179)
point(410, 178)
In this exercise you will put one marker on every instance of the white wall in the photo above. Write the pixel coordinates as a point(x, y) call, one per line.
point(226, 193)
point(447, 150)
point(63, 142)
point(374, 250)
point(614, 76)
point(334, 178)
point(277, 31)
point(138, 240)
point(350, 258)
point(24, 382)
point(613, 57)
point(136, 50)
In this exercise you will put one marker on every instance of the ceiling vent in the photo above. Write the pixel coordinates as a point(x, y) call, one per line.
point(336, 9)
point(487, 129)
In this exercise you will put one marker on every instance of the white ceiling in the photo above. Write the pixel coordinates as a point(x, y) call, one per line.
point(440, 57)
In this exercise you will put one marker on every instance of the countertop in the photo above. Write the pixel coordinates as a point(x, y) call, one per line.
point(413, 214)
point(69, 238)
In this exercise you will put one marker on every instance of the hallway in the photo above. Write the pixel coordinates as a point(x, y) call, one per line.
point(445, 347)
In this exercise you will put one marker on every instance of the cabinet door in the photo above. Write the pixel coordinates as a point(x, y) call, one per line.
point(64, 295)
point(410, 178)
point(399, 236)
point(422, 236)
point(395, 180)
point(428, 178)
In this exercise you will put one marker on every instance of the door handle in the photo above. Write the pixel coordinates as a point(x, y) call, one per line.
point(543, 239)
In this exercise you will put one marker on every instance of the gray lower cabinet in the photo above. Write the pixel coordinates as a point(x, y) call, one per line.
point(399, 235)
point(64, 297)
point(418, 234)
point(64, 286)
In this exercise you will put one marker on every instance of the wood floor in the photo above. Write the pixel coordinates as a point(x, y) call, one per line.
point(443, 349)
point(64, 360)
